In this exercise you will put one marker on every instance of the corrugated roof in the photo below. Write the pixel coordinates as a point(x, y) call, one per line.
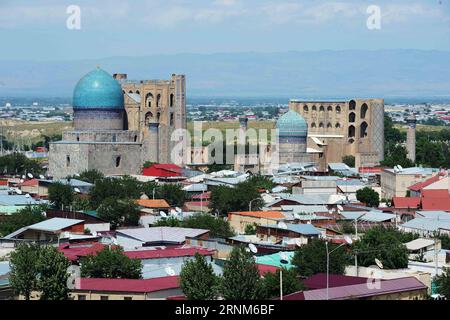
point(420, 185)
point(362, 290)
point(127, 285)
point(302, 228)
point(371, 216)
point(261, 214)
point(167, 253)
point(16, 200)
point(275, 259)
point(405, 202)
point(442, 203)
point(319, 281)
point(156, 203)
point(418, 244)
point(157, 234)
point(50, 225)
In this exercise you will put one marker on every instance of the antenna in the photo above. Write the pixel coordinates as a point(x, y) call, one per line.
point(284, 258)
point(30, 175)
point(253, 248)
point(169, 271)
point(282, 225)
point(379, 263)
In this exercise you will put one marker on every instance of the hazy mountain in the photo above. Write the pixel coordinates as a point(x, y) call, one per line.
point(326, 74)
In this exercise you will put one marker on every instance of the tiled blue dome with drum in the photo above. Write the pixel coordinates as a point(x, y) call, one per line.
point(98, 90)
point(98, 102)
point(292, 124)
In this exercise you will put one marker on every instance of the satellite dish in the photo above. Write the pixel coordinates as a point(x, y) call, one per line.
point(163, 214)
point(282, 225)
point(18, 191)
point(22, 181)
point(298, 242)
point(340, 207)
point(23, 177)
point(379, 263)
point(297, 216)
point(41, 177)
point(284, 258)
point(30, 175)
point(76, 174)
point(27, 195)
point(178, 210)
point(348, 240)
point(400, 167)
point(77, 190)
point(94, 233)
point(114, 241)
point(169, 271)
point(252, 248)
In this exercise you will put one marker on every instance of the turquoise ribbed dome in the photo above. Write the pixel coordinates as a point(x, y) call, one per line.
point(98, 90)
point(292, 124)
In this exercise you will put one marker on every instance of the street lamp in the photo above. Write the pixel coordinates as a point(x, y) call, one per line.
point(356, 238)
point(284, 260)
point(347, 241)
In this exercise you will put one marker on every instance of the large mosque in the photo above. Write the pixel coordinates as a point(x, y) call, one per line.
point(117, 127)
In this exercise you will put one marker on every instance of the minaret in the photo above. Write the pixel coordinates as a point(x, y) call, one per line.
point(411, 138)
point(154, 142)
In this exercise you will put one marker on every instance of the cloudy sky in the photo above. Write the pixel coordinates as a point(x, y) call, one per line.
point(37, 29)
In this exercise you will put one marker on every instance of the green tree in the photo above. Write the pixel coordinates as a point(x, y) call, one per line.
point(368, 196)
point(60, 195)
point(349, 160)
point(226, 199)
point(443, 283)
point(261, 182)
point(240, 280)
point(312, 258)
point(218, 227)
point(19, 164)
point(53, 275)
point(119, 212)
point(119, 188)
point(385, 244)
point(250, 229)
point(197, 279)
point(172, 193)
point(445, 240)
point(168, 222)
point(396, 154)
point(24, 270)
point(22, 218)
point(270, 284)
point(110, 263)
point(91, 176)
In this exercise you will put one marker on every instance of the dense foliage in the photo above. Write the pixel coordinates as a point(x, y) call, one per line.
point(368, 196)
point(22, 218)
point(110, 263)
point(60, 195)
point(217, 226)
point(226, 199)
point(443, 283)
point(349, 160)
point(39, 268)
point(312, 258)
point(119, 212)
point(385, 244)
point(197, 279)
point(240, 280)
point(19, 164)
point(270, 284)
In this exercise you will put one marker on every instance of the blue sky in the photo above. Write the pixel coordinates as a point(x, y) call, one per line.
point(37, 29)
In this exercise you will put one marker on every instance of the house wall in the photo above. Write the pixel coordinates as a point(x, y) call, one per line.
point(239, 223)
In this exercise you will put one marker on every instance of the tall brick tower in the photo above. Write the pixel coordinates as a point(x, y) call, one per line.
point(411, 137)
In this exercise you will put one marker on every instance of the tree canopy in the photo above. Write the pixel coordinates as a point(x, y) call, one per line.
point(60, 195)
point(368, 196)
point(312, 258)
point(226, 199)
point(240, 279)
point(119, 212)
point(110, 263)
point(385, 244)
point(443, 283)
point(197, 279)
point(19, 164)
point(22, 218)
point(270, 284)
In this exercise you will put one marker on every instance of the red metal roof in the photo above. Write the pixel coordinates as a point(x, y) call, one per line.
point(163, 170)
point(205, 195)
point(319, 281)
point(420, 185)
point(436, 204)
point(74, 252)
point(405, 202)
point(167, 253)
point(128, 285)
point(436, 193)
point(358, 291)
point(30, 183)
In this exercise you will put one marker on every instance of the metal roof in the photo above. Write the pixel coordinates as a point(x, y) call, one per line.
point(427, 224)
point(418, 244)
point(371, 216)
point(16, 200)
point(157, 234)
point(50, 225)
point(302, 228)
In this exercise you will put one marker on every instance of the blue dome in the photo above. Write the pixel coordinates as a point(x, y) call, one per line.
point(292, 124)
point(98, 90)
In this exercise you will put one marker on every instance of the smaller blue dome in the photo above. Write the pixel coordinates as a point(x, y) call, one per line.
point(98, 90)
point(292, 124)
